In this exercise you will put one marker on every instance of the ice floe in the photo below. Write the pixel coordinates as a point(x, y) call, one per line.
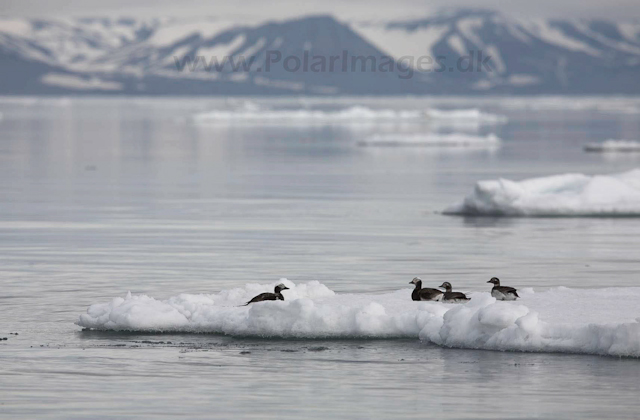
point(590, 321)
point(283, 115)
point(458, 140)
point(576, 195)
point(252, 112)
point(472, 114)
point(612, 145)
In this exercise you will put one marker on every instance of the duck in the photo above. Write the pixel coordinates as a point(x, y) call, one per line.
point(424, 294)
point(452, 297)
point(276, 295)
point(502, 292)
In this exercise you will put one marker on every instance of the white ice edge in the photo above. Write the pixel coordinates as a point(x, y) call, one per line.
point(589, 321)
point(568, 195)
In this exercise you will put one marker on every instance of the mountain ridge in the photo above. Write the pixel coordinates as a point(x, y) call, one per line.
point(140, 57)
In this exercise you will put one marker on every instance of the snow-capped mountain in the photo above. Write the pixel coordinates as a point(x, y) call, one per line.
point(458, 52)
point(527, 56)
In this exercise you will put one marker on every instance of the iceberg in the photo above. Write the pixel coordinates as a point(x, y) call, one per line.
point(568, 195)
point(589, 321)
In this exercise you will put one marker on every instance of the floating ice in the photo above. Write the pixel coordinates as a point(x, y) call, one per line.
point(571, 195)
point(349, 114)
point(252, 112)
point(614, 146)
point(489, 141)
point(472, 114)
point(614, 105)
point(591, 321)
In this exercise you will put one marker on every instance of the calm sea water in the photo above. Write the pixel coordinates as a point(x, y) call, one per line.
point(102, 196)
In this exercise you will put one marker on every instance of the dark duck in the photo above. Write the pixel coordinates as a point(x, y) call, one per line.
point(502, 292)
point(452, 297)
point(424, 294)
point(276, 295)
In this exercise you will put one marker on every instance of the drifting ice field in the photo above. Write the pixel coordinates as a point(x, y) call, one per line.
point(590, 321)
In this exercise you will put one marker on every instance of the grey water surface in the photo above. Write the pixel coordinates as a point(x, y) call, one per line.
point(103, 196)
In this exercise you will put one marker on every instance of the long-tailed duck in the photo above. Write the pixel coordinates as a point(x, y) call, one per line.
point(277, 295)
point(424, 294)
point(502, 292)
point(452, 297)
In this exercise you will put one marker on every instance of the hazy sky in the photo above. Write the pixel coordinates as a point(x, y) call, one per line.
point(354, 9)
